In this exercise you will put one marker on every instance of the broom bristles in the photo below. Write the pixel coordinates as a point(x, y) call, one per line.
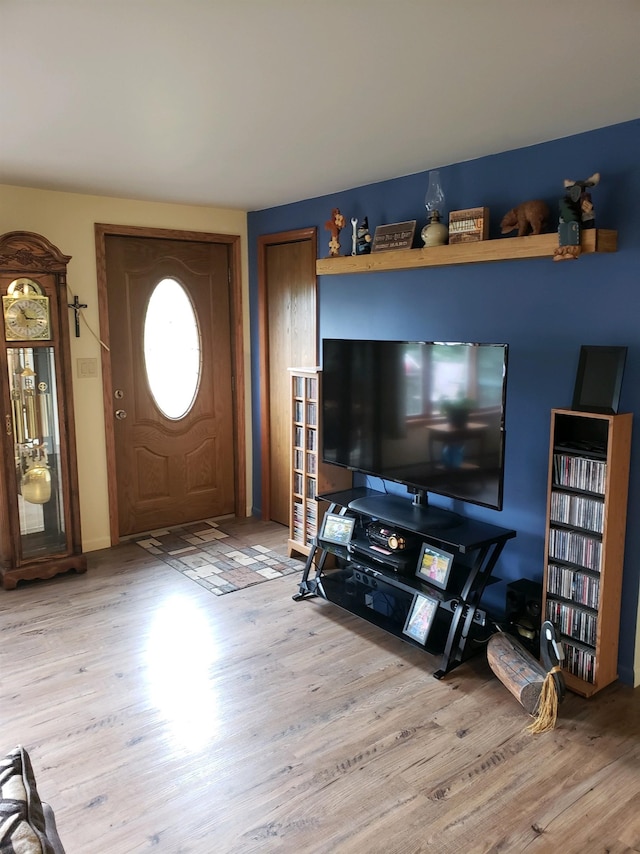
point(546, 711)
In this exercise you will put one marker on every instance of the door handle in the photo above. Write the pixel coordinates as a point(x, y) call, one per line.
point(120, 414)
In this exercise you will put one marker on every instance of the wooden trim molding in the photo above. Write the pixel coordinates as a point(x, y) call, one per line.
point(25, 250)
point(264, 241)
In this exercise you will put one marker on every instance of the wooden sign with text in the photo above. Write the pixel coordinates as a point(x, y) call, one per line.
point(469, 225)
point(398, 235)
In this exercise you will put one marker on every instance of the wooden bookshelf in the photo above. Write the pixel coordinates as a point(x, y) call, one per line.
point(484, 251)
point(309, 475)
point(584, 544)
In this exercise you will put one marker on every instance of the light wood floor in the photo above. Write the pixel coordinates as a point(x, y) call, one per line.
point(162, 718)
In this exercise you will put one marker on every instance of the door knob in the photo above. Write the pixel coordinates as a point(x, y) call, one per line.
point(121, 414)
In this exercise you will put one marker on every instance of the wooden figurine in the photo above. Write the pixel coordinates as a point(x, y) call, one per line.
point(363, 238)
point(576, 212)
point(538, 686)
point(335, 226)
point(528, 216)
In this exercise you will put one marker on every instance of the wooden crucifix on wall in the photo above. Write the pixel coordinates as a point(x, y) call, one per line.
point(76, 305)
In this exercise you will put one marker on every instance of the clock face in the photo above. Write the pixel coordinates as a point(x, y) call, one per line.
point(26, 318)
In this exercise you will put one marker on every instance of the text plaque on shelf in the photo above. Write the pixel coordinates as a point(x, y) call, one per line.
point(398, 235)
point(469, 225)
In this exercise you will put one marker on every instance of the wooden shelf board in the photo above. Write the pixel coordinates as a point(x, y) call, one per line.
point(296, 547)
point(580, 687)
point(500, 249)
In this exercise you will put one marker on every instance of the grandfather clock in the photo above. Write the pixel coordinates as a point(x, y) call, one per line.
point(40, 523)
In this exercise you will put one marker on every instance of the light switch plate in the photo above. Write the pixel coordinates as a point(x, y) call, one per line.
point(87, 368)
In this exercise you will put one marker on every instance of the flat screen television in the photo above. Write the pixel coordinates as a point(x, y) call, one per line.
point(428, 415)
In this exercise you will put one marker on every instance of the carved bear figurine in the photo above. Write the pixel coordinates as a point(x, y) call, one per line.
point(529, 215)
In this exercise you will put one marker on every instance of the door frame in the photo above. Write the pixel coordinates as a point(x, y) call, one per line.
point(264, 241)
point(102, 231)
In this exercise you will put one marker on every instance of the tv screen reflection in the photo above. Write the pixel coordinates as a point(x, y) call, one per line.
point(428, 415)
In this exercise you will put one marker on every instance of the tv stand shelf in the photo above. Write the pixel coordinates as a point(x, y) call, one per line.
point(361, 576)
point(499, 249)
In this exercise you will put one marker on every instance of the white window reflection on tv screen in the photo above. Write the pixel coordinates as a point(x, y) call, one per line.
point(429, 415)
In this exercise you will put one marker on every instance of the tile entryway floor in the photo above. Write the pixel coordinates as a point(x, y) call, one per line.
point(218, 561)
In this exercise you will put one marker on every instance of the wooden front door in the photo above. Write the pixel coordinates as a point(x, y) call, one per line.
point(170, 467)
point(287, 282)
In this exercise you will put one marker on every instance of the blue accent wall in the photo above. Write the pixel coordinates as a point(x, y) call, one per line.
point(543, 310)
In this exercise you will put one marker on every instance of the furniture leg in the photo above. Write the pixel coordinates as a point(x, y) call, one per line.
point(313, 586)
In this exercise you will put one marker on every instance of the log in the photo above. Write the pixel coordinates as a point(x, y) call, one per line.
point(517, 669)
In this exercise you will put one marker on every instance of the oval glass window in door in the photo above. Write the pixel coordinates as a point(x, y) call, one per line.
point(172, 349)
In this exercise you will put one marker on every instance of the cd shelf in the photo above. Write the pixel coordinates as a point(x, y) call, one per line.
point(573, 585)
point(309, 475)
point(578, 511)
point(584, 542)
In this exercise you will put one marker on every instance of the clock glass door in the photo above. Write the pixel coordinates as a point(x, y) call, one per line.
point(36, 437)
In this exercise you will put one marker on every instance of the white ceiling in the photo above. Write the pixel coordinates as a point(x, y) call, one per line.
point(254, 103)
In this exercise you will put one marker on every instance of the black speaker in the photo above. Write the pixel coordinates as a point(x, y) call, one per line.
point(523, 609)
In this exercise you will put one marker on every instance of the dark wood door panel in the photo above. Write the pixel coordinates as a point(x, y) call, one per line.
point(171, 470)
point(288, 308)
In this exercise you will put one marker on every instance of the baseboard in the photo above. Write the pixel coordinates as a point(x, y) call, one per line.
point(628, 676)
point(96, 545)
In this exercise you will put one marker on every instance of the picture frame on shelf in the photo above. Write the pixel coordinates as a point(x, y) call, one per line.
point(337, 529)
point(420, 618)
point(599, 379)
point(434, 566)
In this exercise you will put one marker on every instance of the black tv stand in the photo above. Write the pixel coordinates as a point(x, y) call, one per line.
point(383, 589)
point(410, 515)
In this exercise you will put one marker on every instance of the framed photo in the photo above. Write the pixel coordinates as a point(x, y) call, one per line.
point(421, 616)
point(599, 379)
point(337, 529)
point(434, 566)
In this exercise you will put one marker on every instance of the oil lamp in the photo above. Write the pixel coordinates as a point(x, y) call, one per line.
point(435, 232)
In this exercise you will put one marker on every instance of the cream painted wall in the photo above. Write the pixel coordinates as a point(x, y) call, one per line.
point(67, 220)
